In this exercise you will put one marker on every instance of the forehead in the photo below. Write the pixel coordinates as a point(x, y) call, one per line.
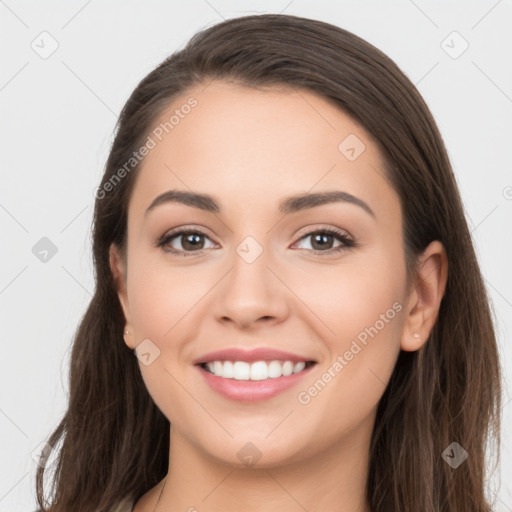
point(245, 145)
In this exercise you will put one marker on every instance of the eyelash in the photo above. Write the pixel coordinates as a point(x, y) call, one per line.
point(347, 242)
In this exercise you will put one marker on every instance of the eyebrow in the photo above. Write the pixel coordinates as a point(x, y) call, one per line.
point(289, 205)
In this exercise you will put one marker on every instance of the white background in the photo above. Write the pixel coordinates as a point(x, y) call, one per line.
point(57, 120)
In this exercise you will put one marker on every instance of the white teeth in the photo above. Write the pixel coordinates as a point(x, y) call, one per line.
point(217, 367)
point(299, 367)
point(226, 368)
point(288, 368)
point(241, 370)
point(275, 369)
point(259, 370)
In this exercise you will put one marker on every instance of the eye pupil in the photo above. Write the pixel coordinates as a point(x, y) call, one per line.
point(190, 241)
point(322, 238)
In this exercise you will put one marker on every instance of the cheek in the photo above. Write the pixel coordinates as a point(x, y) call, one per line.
point(348, 297)
point(161, 296)
point(161, 300)
point(360, 306)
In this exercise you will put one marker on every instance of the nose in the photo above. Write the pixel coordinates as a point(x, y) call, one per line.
point(251, 294)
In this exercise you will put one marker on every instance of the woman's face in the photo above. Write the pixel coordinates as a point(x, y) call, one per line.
point(263, 273)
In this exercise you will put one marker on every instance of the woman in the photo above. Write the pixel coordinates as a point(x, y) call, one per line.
point(279, 239)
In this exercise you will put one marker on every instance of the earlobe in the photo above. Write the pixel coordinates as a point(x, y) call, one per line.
point(426, 296)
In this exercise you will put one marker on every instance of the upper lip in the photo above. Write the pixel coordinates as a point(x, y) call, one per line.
point(258, 354)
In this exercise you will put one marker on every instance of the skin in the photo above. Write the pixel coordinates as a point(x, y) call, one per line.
point(250, 149)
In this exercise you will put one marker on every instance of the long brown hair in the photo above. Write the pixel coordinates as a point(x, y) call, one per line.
point(115, 441)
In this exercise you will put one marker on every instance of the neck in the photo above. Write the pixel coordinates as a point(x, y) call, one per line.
point(333, 479)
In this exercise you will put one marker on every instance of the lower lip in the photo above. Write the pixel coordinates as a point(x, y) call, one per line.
point(252, 390)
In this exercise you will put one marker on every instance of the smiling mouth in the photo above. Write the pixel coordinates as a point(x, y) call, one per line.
point(255, 371)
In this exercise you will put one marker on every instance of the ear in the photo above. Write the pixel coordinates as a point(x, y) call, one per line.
point(118, 268)
point(425, 298)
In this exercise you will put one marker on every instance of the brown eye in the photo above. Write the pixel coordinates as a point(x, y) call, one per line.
point(192, 241)
point(181, 242)
point(323, 240)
